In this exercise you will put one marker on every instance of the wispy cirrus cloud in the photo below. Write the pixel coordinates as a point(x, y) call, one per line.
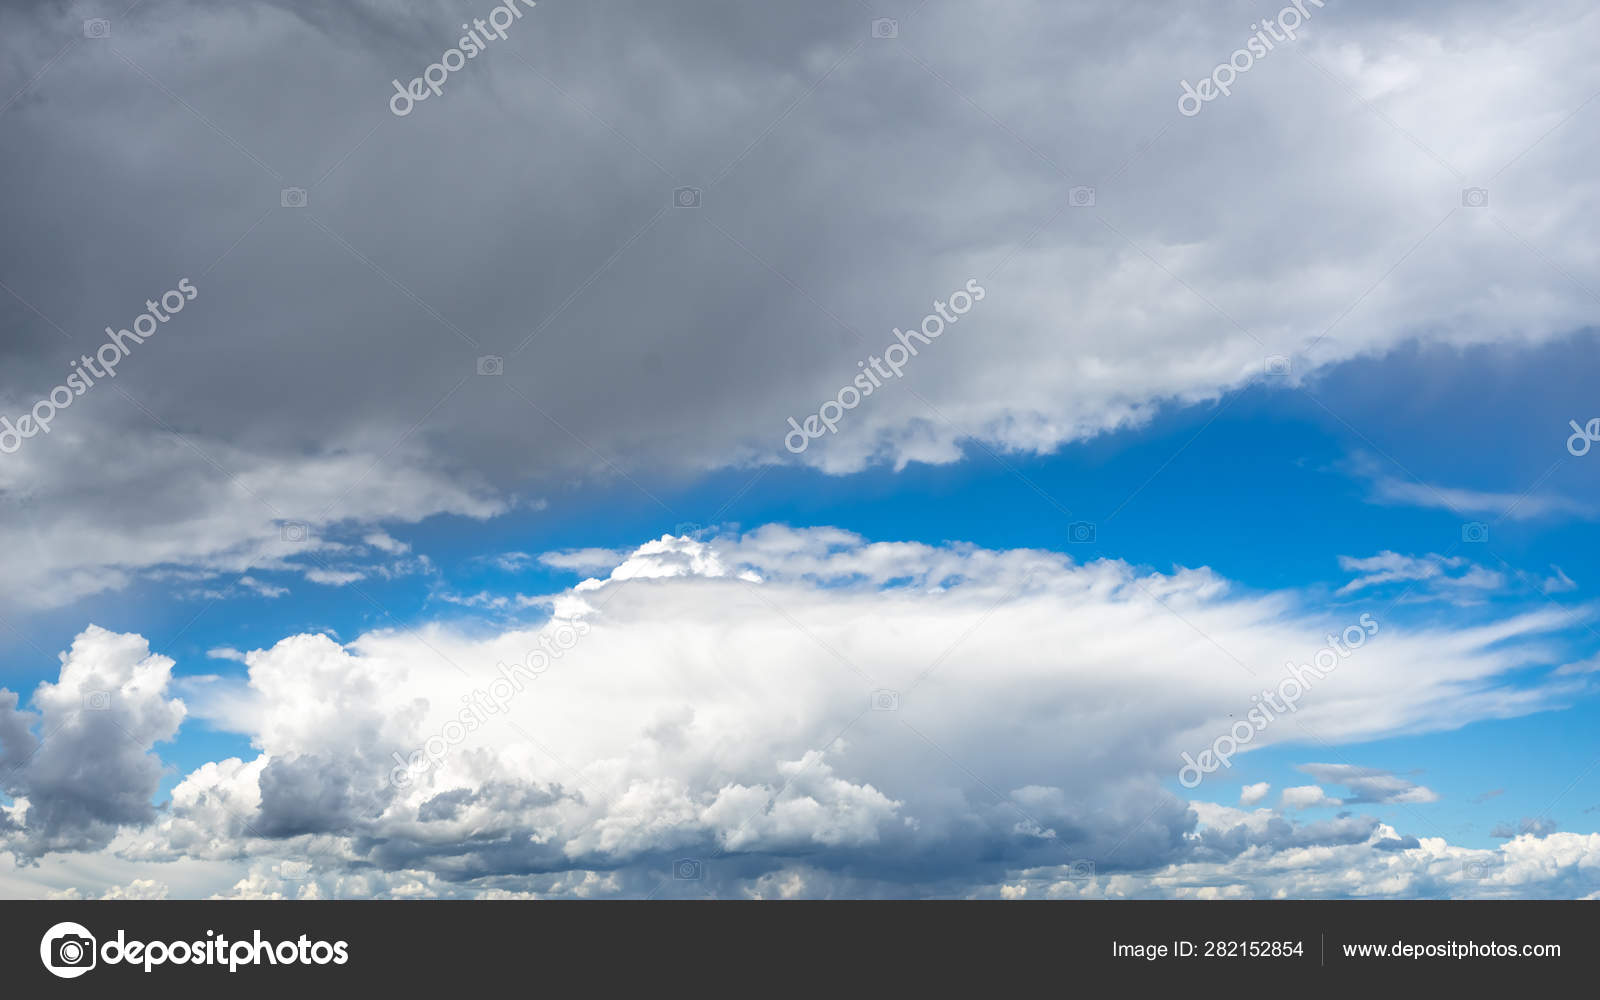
point(1508, 506)
point(1438, 574)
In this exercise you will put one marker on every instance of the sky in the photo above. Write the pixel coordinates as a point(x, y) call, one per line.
point(754, 451)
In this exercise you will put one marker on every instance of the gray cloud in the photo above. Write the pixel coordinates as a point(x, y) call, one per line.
point(1371, 785)
point(326, 372)
point(86, 763)
point(1537, 826)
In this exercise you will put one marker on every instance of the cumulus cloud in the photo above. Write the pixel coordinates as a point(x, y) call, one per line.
point(1249, 795)
point(137, 889)
point(1308, 797)
point(1381, 864)
point(84, 764)
point(142, 888)
point(790, 707)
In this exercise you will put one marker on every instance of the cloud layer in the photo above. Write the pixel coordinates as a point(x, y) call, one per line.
point(326, 374)
point(790, 710)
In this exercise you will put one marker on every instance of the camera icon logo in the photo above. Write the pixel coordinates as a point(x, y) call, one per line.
point(294, 531)
point(1081, 196)
point(1477, 869)
point(1278, 365)
point(688, 869)
point(97, 701)
point(1474, 197)
point(68, 950)
point(885, 700)
point(491, 364)
point(686, 197)
point(1474, 531)
point(885, 27)
point(1082, 871)
point(294, 198)
point(97, 27)
point(1081, 532)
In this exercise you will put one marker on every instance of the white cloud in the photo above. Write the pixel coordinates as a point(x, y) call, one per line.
point(666, 557)
point(1588, 665)
point(706, 715)
point(511, 562)
point(334, 578)
point(1433, 570)
point(86, 764)
point(584, 560)
point(1511, 506)
point(1308, 797)
point(384, 542)
point(264, 589)
point(1249, 795)
point(1560, 583)
point(1383, 864)
point(142, 888)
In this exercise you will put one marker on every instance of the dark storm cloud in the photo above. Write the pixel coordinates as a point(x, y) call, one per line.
point(847, 181)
